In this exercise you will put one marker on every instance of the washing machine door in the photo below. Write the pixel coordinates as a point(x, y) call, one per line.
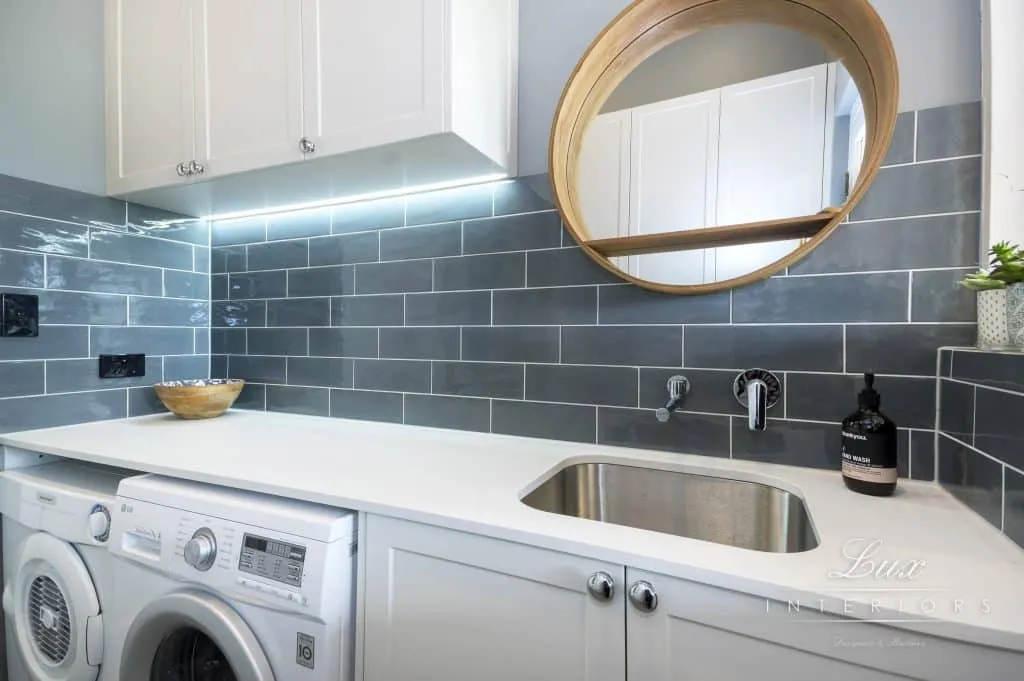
point(55, 610)
point(192, 636)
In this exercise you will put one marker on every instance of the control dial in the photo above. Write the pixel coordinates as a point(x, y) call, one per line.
point(99, 523)
point(201, 549)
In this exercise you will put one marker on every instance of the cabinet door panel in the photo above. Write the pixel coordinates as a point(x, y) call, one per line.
point(604, 177)
point(150, 102)
point(249, 70)
point(366, 86)
point(448, 606)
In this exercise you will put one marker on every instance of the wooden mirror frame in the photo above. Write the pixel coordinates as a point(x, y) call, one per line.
point(850, 30)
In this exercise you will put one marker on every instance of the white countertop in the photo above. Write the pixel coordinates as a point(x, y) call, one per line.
point(473, 482)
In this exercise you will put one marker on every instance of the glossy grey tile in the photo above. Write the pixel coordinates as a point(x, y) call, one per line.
point(368, 215)
point(1013, 524)
point(629, 304)
point(57, 203)
point(923, 189)
point(524, 195)
point(395, 277)
point(24, 233)
point(910, 402)
point(448, 309)
point(201, 259)
point(321, 281)
point(392, 375)
point(478, 379)
point(922, 446)
point(229, 259)
point(567, 422)
point(686, 433)
point(66, 307)
point(22, 378)
point(239, 313)
point(533, 344)
point(276, 341)
point(368, 310)
point(297, 225)
point(660, 346)
point(565, 267)
point(219, 367)
point(346, 249)
point(793, 443)
point(101, 277)
point(166, 225)
point(612, 386)
point(995, 369)
point(186, 285)
point(202, 335)
point(53, 342)
point(339, 342)
point(956, 414)
point(710, 391)
point(431, 241)
point(777, 348)
point(420, 343)
point(21, 269)
point(277, 255)
point(998, 427)
point(946, 363)
point(456, 413)
point(905, 243)
point(548, 306)
point(186, 367)
point(234, 232)
point(255, 285)
point(513, 233)
point(167, 312)
point(901, 149)
point(938, 297)
point(252, 398)
point(299, 312)
point(865, 298)
point(228, 341)
point(257, 369)
point(972, 478)
point(949, 131)
point(292, 400)
point(496, 271)
point(453, 204)
point(139, 250)
point(328, 372)
point(366, 406)
point(903, 350)
point(144, 402)
point(151, 341)
point(50, 411)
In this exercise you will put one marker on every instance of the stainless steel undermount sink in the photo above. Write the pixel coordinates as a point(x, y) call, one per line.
point(748, 515)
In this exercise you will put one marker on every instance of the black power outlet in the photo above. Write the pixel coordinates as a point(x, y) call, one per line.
point(19, 315)
point(122, 366)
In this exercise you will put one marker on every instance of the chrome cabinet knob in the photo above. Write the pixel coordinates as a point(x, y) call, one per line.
point(307, 145)
point(601, 586)
point(643, 596)
point(182, 170)
point(196, 168)
point(201, 549)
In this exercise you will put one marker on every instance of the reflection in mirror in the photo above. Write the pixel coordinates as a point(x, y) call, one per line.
point(732, 125)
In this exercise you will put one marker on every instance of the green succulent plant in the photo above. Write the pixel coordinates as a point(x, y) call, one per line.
point(1005, 267)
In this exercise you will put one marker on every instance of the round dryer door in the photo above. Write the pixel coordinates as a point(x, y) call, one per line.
point(192, 636)
point(55, 610)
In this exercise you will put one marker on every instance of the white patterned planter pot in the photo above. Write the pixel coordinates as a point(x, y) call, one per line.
point(1001, 318)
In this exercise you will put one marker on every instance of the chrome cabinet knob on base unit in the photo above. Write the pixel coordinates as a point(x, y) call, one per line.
point(201, 549)
point(643, 596)
point(601, 586)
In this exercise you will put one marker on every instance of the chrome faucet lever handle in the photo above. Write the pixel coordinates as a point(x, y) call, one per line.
point(678, 387)
point(757, 390)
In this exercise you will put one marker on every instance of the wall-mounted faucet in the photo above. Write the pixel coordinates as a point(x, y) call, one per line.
point(757, 390)
point(678, 387)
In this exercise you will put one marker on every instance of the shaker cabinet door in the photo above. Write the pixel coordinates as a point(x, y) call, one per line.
point(150, 92)
point(442, 605)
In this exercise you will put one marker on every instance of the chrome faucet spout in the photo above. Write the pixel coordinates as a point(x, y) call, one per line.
point(757, 390)
point(757, 405)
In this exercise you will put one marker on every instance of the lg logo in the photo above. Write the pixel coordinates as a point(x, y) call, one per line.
point(305, 650)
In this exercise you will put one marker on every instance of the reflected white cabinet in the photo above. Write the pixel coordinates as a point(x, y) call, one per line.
point(255, 87)
point(448, 606)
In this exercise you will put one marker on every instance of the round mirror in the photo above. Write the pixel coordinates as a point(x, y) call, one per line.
point(718, 142)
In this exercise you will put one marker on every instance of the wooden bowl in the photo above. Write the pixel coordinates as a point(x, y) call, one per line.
point(202, 399)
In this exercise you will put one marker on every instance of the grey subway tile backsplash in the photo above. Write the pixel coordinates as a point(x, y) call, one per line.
point(138, 250)
point(956, 409)
point(938, 297)
point(628, 304)
point(841, 298)
point(253, 397)
point(565, 267)
point(368, 215)
point(156, 222)
point(610, 386)
point(241, 231)
point(477, 379)
point(56, 203)
point(297, 225)
point(778, 348)
point(293, 400)
point(456, 413)
point(287, 342)
point(546, 306)
point(343, 342)
point(167, 312)
point(527, 195)
point(321, 281)
point(975, 479)
point(253, 285)
point(227, 259)
point(512, 233)
point(144, 402)
point(102, 277)
point(419, 343)
point(1013, 523)
point(432, 241)
point(193, 285)
point(228, 341)
point(813, 445)
point(21, 269)
point(448, 205)
point(685, 433)
point(48, 411)
point(54, 342)
point(22, 378)
point(949, 131)
point(258, 369)
point(901, 149)
point(367, 406)
point(910, 402)
point(277, 255)
point(924, 189)
point(151, 341)
point(448, 309)
point(346, 249)
point(23, 233)
point(392, 375)
point(900, 349)
point(569, 422)
point(186, 367)
point(998, 426)
point(495, 271)
point(239, 313)
point(660, 346)
point(299, 312)
point(385, 310)
point(402, 276)
point(327, 372)
point(533, 344)
point(997, 370)
point(67, 307)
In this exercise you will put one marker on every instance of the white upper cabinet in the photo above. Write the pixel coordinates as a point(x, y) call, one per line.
point(249, 78)
point(150, 91)
point(241, 91)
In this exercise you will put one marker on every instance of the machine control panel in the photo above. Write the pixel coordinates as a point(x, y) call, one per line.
point(275, 560)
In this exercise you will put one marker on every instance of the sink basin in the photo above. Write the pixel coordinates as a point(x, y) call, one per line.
point(748, 515)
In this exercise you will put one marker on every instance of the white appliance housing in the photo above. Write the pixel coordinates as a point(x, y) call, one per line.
point(260, 584)
point(57, 580)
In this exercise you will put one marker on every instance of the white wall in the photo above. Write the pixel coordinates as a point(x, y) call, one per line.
point(938, 44)
point(51, 92)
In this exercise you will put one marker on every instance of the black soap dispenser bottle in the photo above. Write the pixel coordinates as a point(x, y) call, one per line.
point(869, 446)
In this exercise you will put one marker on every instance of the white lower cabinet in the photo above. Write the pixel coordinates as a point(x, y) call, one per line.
point(442, 605)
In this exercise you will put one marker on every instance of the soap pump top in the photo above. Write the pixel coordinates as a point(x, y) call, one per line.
point(869, 397)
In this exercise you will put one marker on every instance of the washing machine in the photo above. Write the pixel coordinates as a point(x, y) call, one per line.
point(57, 570)
point(217, 584)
